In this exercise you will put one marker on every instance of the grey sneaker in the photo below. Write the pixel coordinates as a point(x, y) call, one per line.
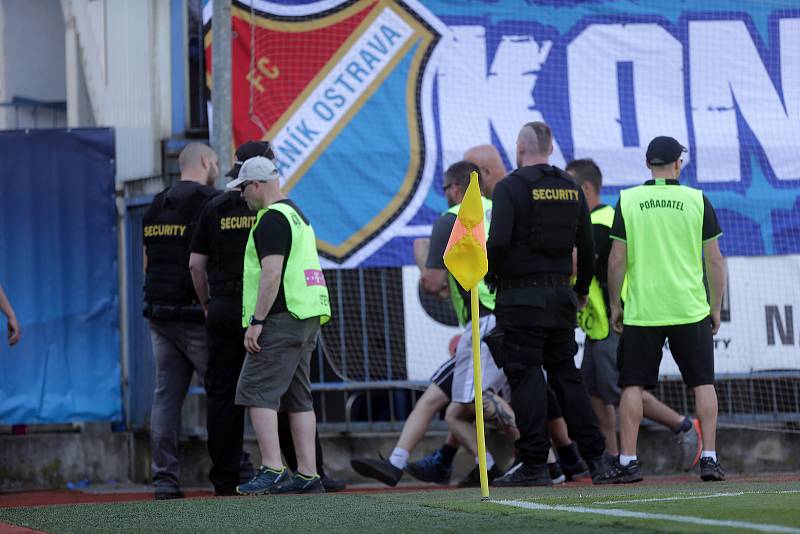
point(691, 444)
point(299, 484)
point(263, 481)
point(711, 471)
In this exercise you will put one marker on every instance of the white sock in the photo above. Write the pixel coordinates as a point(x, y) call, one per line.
point(399, 458)
point(709, 454)
point(626, 460)
point(489, 461)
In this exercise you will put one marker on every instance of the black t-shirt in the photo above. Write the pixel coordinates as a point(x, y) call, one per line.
point(221, 234)
point(711, 228)
point(273, 236)
point(440, 235)
point(602, 249)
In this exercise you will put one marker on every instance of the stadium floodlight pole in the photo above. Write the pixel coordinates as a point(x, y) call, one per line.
point(465, 258)
point(221, 59)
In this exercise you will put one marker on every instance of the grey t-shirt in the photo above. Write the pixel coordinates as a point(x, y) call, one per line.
point(440, 235)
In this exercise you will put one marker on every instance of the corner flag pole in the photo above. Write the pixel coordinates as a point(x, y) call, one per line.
point(476, 369)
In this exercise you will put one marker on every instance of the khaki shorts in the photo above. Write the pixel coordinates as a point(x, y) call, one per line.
point(278, 377)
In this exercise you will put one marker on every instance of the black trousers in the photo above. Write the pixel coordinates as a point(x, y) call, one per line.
point(533, 341)
point(225, 420)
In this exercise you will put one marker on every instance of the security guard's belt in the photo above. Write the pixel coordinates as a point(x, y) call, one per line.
point(192, 313)
point(226, 289)
point(536, 280)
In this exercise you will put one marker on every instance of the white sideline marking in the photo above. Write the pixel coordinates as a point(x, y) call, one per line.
point(684, 498)
point(699, 496)
point(643, 515)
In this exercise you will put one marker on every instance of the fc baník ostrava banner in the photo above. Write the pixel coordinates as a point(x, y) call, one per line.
point(367, 102)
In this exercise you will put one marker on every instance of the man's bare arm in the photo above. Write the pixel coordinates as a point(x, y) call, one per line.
point(268, 284)
point(617, 266)
point(715, 271)
point(13, 326)
point(197, 266)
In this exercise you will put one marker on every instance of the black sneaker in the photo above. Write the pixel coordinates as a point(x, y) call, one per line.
point(578, 470)
point(525, 475)
point(556, 474)
point(331, 485)
point(473, 479)
point(298, 484)
point(710, 470)
point(381, 470)
point(168, 495)
point(602, 471)
point(431, 469)
point(630, 473)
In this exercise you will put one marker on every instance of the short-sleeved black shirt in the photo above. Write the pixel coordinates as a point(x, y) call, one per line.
point(711, 228)
point(602, 249)
point(273, 236)
point(440, 235)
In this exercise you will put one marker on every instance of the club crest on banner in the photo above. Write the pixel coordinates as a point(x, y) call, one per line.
point(339, 94)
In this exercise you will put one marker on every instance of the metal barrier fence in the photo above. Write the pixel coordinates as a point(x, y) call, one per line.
point(360, 385)
point(359, 378)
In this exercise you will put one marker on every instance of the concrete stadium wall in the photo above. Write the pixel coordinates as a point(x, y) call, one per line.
point(51, 460)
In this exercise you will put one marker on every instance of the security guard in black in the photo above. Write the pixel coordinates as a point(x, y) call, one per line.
point(539, 216)
point(221, 236)
point(168, 225)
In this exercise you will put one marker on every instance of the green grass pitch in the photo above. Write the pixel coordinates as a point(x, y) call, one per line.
point(690, 507)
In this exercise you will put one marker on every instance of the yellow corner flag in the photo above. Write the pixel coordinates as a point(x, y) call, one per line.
point(465, 258)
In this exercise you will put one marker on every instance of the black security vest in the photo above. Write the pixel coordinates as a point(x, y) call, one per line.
point(167, 227)
point(545, 222)
point(232, 221)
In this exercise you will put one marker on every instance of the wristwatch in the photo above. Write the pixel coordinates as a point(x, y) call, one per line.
point(254, 321)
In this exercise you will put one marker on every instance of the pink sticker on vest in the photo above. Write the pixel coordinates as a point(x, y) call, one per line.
point(314, 277)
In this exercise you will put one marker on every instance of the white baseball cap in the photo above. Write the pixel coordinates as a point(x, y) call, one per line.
point(257, 169)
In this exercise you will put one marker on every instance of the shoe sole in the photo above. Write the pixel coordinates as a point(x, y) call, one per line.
point(696, 459)
point(314, 491)
point(630, 479)
point(522, 484)
point(413, 472)
point(713, 477)
point(367, 470)
point(559, 480)
point(252, 493)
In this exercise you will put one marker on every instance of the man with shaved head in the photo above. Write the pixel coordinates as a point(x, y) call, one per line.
point(176, 316)
point(539, 215)
point(488, 160)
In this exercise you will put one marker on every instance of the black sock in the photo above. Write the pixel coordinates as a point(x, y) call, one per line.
point(448, 453)
point(685, 425)
point(568, 454)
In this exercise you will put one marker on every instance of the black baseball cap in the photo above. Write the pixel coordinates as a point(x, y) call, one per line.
point(248, 150)
point(664, 150)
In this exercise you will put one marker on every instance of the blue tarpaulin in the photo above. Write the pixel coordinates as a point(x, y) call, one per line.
point(58, 266)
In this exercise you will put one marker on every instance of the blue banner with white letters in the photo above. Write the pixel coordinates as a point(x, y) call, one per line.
point(395, 91)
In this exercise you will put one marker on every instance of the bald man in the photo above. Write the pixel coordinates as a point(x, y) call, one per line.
point(488, 160)
point(176, 316)
point(538, 216)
